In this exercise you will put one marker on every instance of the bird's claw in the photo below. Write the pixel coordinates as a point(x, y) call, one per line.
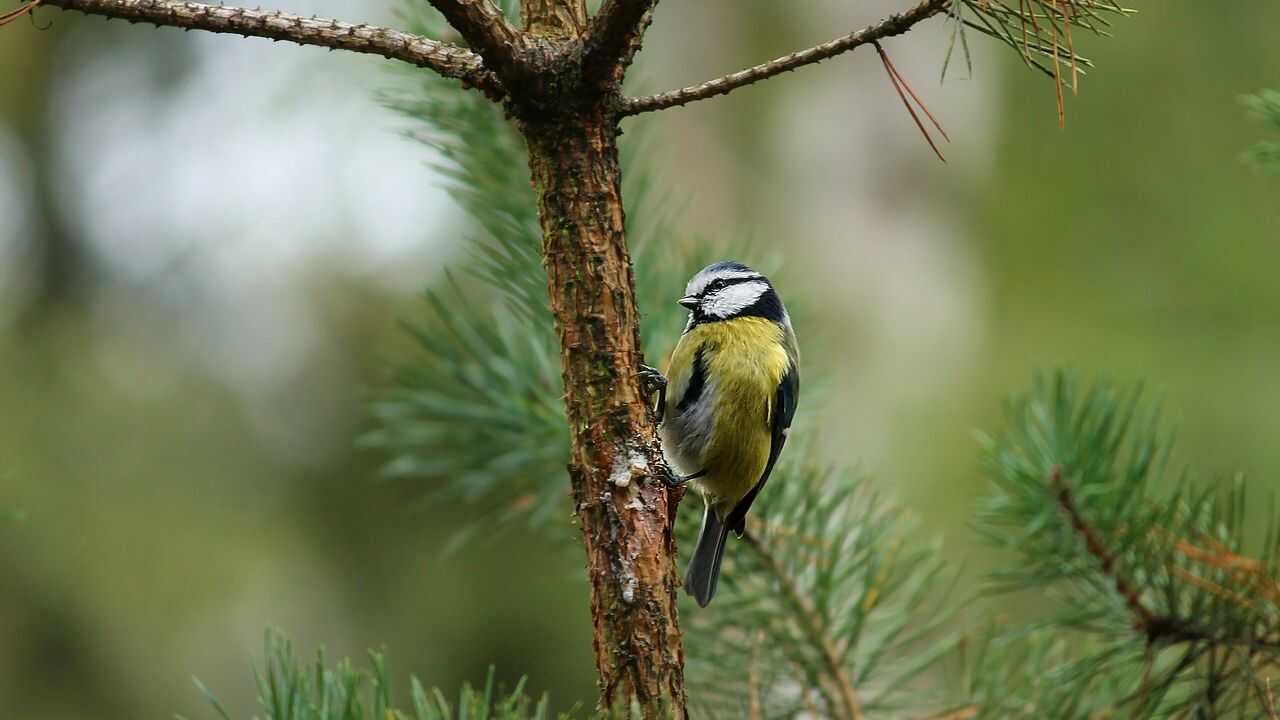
point(654, 382)
point(653, 378)
point(675, 480)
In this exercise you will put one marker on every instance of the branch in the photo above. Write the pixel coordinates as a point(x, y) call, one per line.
point(893, 25)
point(614, 40)
point(448, 60)
point(1144, 619)
point(486, 29)
point(814, 627)
point(1156, 628)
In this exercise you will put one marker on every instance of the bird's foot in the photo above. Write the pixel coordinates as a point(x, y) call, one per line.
point(655, 383)
point(675, 480)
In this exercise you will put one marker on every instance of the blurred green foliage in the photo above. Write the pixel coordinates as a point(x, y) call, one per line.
point(1265, 154)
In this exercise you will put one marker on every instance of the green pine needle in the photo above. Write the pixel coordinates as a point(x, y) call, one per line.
point(1170, 605)
point(290, 689)
point(832, 593)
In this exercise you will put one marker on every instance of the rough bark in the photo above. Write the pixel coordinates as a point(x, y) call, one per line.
point(616, 465)
point(554, 18)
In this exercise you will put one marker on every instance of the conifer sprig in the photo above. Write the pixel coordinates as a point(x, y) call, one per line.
point(292, 689)
point(1164, 584)
point(835, 607)
point(1040, 31)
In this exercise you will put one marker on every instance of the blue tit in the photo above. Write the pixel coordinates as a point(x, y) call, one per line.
point(726, 403)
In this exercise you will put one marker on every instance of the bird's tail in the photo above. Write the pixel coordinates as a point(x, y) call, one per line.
point(704, 568)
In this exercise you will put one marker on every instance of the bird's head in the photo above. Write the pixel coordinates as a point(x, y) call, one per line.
point(728, 290)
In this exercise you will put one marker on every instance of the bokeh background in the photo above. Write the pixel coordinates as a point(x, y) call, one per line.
point(206, 244)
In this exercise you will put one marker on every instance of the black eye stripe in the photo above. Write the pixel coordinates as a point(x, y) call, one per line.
point(722, 283)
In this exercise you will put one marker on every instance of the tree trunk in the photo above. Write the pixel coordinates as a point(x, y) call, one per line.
point(616, 464)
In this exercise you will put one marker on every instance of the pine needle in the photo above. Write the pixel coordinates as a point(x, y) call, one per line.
point(898, 84)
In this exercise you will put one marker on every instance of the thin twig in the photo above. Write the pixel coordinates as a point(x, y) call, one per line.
point(814, 628)
point(896, 80)
point(6, 18)
point(1144, 618)
point(448, 60)
point(893, 25)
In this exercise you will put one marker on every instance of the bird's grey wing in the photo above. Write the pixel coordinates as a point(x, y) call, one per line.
point(784, 409)
point(686, 430)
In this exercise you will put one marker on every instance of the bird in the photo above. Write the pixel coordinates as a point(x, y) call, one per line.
point(725, 403)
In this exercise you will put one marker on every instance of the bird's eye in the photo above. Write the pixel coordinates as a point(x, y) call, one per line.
point(717, 284)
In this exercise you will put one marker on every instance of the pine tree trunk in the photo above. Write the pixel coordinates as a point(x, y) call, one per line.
point(616, 462)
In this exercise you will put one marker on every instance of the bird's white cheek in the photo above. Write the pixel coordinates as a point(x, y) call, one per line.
point(734, 299)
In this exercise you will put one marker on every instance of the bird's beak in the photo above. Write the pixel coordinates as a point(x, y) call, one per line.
point(688, 301)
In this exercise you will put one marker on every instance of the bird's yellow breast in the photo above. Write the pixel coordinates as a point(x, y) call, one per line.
point(744, 361)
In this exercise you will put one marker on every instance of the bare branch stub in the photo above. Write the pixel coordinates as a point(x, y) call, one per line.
point(614, 39)
point(896, 24)
point(447, 60)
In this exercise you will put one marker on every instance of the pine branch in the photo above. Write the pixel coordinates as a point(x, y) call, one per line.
point(487, 30)
point(1143, 618)
point(447, 60)
point(1163, 587)
point(830, 593)
point(616, 33)
point(814, 629)
point(896, 24)
point(1040, 31)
